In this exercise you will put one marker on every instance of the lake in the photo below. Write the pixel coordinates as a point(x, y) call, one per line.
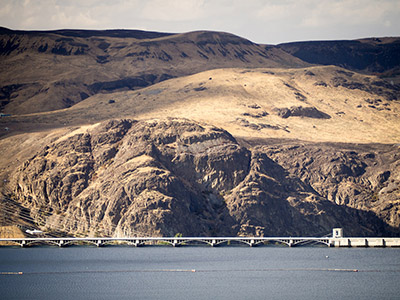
point(163, 272)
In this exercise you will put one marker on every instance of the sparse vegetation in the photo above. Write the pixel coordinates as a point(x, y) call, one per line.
point(213, 112)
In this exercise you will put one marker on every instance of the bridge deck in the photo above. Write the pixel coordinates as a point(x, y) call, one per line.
point(212, 241)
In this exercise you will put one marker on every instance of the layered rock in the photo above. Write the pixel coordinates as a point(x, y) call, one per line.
point(364, 177)
point(123, 177)
point(163, 177)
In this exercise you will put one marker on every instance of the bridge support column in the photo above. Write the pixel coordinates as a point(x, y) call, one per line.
point(98, 243)
point(22, 244)
point(60, 244)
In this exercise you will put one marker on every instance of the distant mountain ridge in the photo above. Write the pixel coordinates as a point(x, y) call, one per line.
point(374, 55)
point(50, 70)
point(116, 33)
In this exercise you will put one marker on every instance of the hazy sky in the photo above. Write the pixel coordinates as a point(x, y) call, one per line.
point(262, 21)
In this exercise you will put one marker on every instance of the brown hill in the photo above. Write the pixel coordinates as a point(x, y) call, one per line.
point(44, 71)
point(289, 149)
point(312, 104)
point(371, 55)
point(162, 177)
point(10, 232)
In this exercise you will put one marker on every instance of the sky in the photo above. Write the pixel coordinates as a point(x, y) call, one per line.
point(261, 21)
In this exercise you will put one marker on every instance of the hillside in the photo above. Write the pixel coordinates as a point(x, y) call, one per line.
point(372, 55)
point(163, 177)
point(312, 104)
point(45, 71)
point(315, 177)
point(123, 133)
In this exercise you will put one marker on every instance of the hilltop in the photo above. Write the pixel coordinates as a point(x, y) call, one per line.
point(45, 71)
point(370, 55)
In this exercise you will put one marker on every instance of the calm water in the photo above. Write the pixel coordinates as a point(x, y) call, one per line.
point(220, 273)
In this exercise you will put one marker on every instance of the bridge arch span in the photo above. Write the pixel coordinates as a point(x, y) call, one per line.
point(78, 242)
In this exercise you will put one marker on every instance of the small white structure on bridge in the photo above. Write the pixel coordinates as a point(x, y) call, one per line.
point(337, 233)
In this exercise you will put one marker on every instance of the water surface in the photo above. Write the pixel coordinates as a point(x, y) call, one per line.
point(200, 273)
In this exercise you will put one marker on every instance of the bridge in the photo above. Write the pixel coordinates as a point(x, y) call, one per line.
point(211, 241)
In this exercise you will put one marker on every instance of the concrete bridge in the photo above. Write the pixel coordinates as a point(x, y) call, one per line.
point(211, 241)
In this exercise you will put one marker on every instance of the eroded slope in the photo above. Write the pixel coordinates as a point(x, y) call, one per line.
point(162, 177)
point(313, 104)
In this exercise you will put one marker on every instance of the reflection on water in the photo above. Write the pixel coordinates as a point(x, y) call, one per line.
point(199, 273)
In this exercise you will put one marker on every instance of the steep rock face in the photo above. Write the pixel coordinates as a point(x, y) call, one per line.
point(123, 177)
point(364, 177)
point(271, 201)
point(162, 177)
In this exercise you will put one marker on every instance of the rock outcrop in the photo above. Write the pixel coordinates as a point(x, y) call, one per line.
point(163, 177)
point(300, 111)
point(364, 177)
point(123, 177)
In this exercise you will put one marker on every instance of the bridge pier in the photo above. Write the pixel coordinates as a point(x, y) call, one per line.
point(98, 243)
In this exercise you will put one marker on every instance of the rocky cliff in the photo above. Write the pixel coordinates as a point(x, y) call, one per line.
point(162, 177)
point(364, 177)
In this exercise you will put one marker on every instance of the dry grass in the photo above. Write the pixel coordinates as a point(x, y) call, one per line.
point(221, 97)
point(227, 98)
point(10, 232)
